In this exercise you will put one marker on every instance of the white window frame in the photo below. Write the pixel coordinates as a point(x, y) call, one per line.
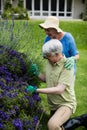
point(39, 13)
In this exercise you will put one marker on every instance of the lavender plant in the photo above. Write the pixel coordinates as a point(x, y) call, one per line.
point(19, 110)
point(22, 37)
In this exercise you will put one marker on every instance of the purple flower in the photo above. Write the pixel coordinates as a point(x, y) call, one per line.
point(35, 118)
point(18, 124)
point(36, 97)
point(7, 78)
point(16, 109)
point(3, 69)
point(4, 115)
point(2, 127)
point(12, 112)
point(13, 80)
point(12, 52)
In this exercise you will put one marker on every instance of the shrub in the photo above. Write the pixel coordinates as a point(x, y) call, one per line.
point(16, 13)
point(19, 109)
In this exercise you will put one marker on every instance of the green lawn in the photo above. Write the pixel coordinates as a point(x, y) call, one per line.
point(30, 41)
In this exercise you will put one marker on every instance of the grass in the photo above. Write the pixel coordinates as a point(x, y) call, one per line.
point(79, 30)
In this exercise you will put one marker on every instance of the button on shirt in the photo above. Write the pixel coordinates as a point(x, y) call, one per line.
point(55, 74)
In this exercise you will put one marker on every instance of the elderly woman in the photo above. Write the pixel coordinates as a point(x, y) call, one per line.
point(60, 85)
point(53, 31)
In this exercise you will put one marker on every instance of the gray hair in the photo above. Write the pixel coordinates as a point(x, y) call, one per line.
point(52, 47)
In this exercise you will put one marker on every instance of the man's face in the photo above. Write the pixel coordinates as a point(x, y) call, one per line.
point(53, 58)
point(51, 32)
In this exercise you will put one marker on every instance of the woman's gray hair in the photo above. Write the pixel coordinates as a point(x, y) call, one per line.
point(52, 47)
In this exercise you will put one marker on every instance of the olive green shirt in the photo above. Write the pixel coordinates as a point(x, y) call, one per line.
point(56, 74)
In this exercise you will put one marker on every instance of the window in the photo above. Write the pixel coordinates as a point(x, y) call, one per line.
point(29, 4)
point(61, 5)
point(53, 5)
point(62, 8)
point(69, 5)
point(45, 5)
point(37, 4)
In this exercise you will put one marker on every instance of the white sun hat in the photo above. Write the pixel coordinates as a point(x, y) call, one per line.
point(51, 22)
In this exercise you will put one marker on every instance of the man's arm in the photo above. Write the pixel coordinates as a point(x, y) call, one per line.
point(42, 77)
point(53, 90)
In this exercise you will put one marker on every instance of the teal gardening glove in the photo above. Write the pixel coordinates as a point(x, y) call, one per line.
point(70, 62)
point(31, 88)
point(34, 70)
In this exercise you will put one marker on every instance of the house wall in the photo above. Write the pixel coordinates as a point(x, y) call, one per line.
point(78, 8)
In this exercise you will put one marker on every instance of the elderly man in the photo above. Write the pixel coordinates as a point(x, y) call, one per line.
point(60, 85)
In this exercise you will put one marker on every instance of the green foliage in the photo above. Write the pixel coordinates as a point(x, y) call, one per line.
point(15, 12)
point(7, 4)
point(23, 37)
point(20, 3)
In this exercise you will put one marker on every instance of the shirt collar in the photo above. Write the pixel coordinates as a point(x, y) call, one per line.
point(63, 60)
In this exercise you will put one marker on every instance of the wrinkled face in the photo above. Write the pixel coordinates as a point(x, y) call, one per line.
point(53, 58)
point(51, 32)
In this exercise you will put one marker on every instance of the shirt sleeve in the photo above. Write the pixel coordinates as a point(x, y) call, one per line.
point(69, 45)
point(72, 46)
point(67, 76)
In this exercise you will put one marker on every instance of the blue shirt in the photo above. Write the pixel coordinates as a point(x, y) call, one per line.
point(69, 45)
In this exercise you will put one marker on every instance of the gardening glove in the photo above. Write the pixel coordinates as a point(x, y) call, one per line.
point(34, 70)
point(31, 88)
point(70, 62)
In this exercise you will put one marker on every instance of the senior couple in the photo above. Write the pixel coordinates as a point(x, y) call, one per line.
point(59, 77)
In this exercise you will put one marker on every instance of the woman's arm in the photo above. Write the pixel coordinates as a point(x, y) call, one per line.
point(77, 57)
